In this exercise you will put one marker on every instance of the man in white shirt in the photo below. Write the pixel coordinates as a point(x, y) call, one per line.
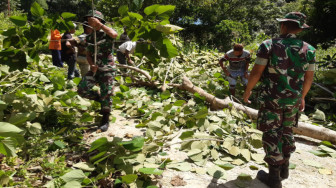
point(124, 51)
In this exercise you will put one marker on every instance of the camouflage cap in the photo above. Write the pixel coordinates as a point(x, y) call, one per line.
point(297, 17)
point(96, 14)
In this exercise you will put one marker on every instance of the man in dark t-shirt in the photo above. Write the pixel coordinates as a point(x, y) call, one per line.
point(69, 53)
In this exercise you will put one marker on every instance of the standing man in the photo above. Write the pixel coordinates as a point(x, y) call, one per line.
point(83, 64)
point(124, 51)
point(124, 36)
point(286, 66)
point(102, 72)
point(69, 53)
point(239, 61)
point(55, 47)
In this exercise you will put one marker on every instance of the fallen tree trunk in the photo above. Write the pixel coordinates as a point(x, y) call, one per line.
point(304, 129)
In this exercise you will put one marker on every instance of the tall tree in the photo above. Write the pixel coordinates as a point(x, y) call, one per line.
point(322, 20)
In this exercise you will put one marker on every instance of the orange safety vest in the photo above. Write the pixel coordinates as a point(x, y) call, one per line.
point(55, 40)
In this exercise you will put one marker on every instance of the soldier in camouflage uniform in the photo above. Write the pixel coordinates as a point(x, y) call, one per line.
point(286, 68)
point(102, 72)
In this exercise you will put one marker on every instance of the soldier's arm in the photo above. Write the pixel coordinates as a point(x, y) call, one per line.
point(308, 80)
point(253, 79)
point(97, 24)
point(109, 31)
point(93, 67)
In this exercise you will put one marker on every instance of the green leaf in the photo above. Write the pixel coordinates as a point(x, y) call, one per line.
point(98, 143)
point(197, 95)
point(217, 75)
point(244, 176)
point(257, 157)
point(3, 105)
point(19, 20)
point(8, 130)
point(34, 128)
point(36, 10)
point(135, 15)
point(84, 166)
point(128, 179)
point(327, 143)
point(135, 144)
point(325, 171)
point(168, 28)
point(154, 171)
point(168, 50)
point(201, 113)
point(216, 172)
point(124, 88)
point(179, 103)
point(7, 146)
point(168, 107)
point(312, 163)
point(327, 149)
point(86, 117)
point(20, 118)
point(68, 15)
point(165, 95)
point(165, 11)
point(123, 10)
point(226, 166)
point(57, 145)
point(74, 175)
point(72, 184)
point(151, 9)
point(186, 134)
point(292, 166)
point(318, 153)
point(253, 167)
point(152, 147)
point(182, 166)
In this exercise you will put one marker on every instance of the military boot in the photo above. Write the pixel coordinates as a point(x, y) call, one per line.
point(284, 173)
point(272, 179)
point(105, 121)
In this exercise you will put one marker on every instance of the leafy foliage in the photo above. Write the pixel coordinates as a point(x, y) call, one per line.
point(154, 28)
point(22, 42)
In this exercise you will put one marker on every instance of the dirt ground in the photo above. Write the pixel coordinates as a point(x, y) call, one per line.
point(303, 176)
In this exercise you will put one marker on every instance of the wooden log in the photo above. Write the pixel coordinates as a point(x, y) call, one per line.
point(304, 129)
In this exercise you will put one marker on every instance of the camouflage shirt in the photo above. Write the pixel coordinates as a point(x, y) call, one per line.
point(286, 59)
point(105, 59)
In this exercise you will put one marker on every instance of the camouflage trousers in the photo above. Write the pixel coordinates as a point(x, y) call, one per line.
point(277, 124)
point(105, 81)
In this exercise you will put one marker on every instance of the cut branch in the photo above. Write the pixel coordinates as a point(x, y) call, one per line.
point(305, 129)
point(146, 74)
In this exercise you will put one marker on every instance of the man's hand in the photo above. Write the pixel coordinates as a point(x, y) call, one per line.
point(130, 62)
point(227, 73)
point(246, 96)
point(246, 75)
point(302, 105)
point(94, 22)
point(93, 68)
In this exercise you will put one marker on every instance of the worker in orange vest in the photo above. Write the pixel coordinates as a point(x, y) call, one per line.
point(55, 47)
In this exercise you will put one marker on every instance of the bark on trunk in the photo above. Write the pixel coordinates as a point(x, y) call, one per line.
point(305, 129)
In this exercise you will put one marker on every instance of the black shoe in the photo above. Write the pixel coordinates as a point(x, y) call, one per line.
point(104, 127)
point(284, 173)
point(272, 179)
point(105, 121)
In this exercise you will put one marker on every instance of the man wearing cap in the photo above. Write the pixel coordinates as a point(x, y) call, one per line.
point(102, 71)
point(286, 68)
